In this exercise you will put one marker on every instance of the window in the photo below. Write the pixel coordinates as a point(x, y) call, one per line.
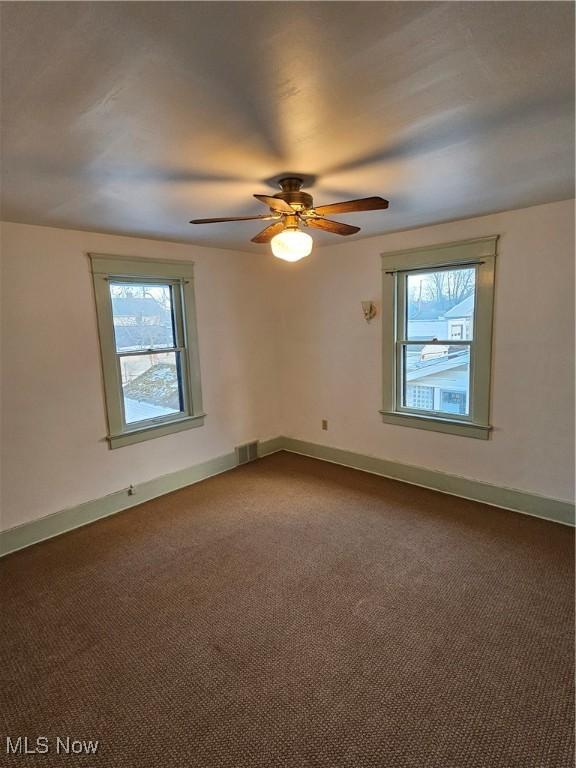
point(438, 335)
point(148, 342)
point(418, 396)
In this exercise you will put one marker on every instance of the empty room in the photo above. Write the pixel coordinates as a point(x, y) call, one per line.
point(287, 384)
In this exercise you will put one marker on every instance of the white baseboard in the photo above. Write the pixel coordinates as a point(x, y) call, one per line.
point(25, 535)
point(555, 510)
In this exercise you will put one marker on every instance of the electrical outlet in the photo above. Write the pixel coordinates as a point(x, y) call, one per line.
point(324, 423)
point(131, 490)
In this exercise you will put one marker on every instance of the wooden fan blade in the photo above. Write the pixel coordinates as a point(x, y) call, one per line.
point(333, 226)
point(267, 234)
point(275, 203)
point(233, 218)
point(350, 206)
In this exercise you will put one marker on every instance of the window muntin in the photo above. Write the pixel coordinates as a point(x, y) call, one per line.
point(148, 340)
point(437, 336)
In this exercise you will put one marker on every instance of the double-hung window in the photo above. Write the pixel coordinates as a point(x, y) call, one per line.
point(437, 315)
point(149, 346)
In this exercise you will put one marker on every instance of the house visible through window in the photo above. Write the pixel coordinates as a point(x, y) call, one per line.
point(437, 337)
point(439, 310)
point(149, 347)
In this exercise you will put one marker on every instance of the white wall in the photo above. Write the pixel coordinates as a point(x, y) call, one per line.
point(282, 346)
point(332, 359)
point(53, 434)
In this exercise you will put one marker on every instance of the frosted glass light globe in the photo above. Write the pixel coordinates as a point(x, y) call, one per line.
point(291, 245)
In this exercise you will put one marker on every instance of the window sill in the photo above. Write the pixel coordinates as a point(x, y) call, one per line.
point(449, 426)
point(156, 430)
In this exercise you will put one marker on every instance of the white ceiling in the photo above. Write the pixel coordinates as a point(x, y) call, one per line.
point(135, 117)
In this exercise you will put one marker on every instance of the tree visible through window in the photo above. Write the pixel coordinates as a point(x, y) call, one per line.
point(438, 303)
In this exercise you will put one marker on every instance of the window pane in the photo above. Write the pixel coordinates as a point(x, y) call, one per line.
point(440, 305)
point(437, 378)
point(151, 385)
point(143, 316)
point(421, 397)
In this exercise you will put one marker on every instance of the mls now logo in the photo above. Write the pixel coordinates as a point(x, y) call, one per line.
point(62, 745)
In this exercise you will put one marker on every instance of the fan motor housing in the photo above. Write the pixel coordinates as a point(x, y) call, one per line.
point(292, 194)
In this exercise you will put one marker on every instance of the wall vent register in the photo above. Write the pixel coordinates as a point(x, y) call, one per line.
point(247, 452)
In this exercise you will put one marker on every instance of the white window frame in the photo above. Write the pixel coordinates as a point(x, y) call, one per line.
point(180, 276)
point(479, 253)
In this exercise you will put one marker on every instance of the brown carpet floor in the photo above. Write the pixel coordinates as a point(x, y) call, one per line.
point(294, 613)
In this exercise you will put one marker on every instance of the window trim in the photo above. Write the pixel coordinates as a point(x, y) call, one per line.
point(480, 252)
point(106, 268)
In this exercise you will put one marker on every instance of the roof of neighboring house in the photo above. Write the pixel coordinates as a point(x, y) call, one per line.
point(424, 312)
point(128, 306)
point(464, 309)
point(142, 337)
point(438, 365)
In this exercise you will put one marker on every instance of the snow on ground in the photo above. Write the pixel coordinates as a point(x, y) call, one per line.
point(136, 410)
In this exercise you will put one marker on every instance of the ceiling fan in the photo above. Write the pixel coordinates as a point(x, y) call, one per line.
point(292, 209)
